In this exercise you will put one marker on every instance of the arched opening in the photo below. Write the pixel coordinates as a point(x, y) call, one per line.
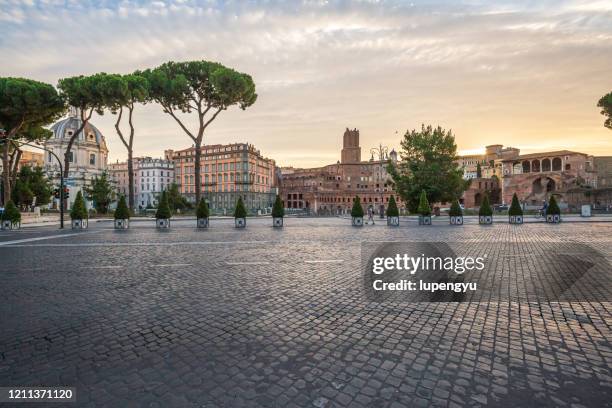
point(535, 166)
point(546, 165)
point(556, 164)
point(477, 199)
point(526, 167)
point(543, 185)
point(568, 166)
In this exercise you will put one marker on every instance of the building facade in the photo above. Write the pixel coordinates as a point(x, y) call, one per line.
point(151, 177)
point(330, 190)
point(535, 177)
point(227, 172)
point(88, 155)
point(31, 159)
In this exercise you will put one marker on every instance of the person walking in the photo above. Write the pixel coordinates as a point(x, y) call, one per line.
point(370, 215)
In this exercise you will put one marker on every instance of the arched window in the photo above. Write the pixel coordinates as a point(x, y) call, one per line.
point(92, 159)
point(526, 167)
point(568, 166)
point(556, 164)
point(546, 165)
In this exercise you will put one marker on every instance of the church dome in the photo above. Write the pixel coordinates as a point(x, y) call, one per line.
point(65, 128)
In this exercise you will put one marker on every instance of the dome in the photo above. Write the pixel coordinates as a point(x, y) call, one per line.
point(65, 128)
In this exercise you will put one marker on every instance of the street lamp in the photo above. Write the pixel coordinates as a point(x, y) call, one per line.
point(36, 146)
point(383, 155)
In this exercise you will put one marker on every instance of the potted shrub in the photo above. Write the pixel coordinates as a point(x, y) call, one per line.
point(202, 214)
point(163, 214)
point(78, 212)
point(485, 212)
point(240, 214)
point(392, 213)
point(515, 213)
point(278, 212)
point(424, 210)
point(11, 217)
point(122, 214)
point(357, 213)
point(456, 214)
point(553, 212)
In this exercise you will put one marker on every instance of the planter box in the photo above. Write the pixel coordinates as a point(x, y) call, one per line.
point(79, 224)
point(456, 220)
point(393, 221)
point(122, 223)
point(485, 219)
point(515, 219)
point(162, 223)
point(357, 221)
point(424, 219)
point(202, 222)
point(277, 222)
point(553, 218)
point(240, 222)
point(10, 225)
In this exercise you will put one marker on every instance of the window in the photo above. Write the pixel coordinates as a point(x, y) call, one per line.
point(71, 157)
point(50, 157)
point(92, 159)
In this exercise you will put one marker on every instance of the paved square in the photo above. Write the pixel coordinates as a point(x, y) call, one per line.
point(264, 317)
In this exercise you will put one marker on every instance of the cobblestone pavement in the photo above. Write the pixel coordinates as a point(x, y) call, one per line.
point(277, 318)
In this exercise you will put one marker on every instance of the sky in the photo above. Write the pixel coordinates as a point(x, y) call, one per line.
point(526, 74)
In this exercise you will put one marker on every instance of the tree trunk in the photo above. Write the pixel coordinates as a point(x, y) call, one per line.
point(130, 167)
point(130, 158)
point(14, 165)
point(198, 156)
point(69, 148)
point(6, 173)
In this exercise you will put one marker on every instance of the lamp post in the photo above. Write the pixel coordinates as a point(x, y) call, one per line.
point(383, 155)
point(61, 166)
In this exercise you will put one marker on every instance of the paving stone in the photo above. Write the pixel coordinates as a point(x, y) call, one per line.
point(293, 333)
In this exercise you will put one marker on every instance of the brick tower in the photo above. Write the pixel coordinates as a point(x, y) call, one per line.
point(351, 152)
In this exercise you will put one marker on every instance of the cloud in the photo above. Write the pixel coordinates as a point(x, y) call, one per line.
point(494, 72)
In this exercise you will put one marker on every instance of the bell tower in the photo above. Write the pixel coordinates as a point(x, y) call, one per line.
point(351, 152)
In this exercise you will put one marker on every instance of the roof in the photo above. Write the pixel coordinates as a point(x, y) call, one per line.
point(60, 128)
point(544, 155)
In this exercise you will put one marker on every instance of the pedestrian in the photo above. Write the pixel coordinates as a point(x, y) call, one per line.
point(370, 215)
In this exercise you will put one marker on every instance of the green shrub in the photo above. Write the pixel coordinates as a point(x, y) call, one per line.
point(357, 210)
point(423, 208)
point(553, 207)
point(455, 209)
point(78, 210)
point(278, 210)
point(11, 213)
point(240, 211)
point(202, 210)
point(485, 207)
point(122, 212)
point(515, 207)
point(392, 210)
point(163, 208)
